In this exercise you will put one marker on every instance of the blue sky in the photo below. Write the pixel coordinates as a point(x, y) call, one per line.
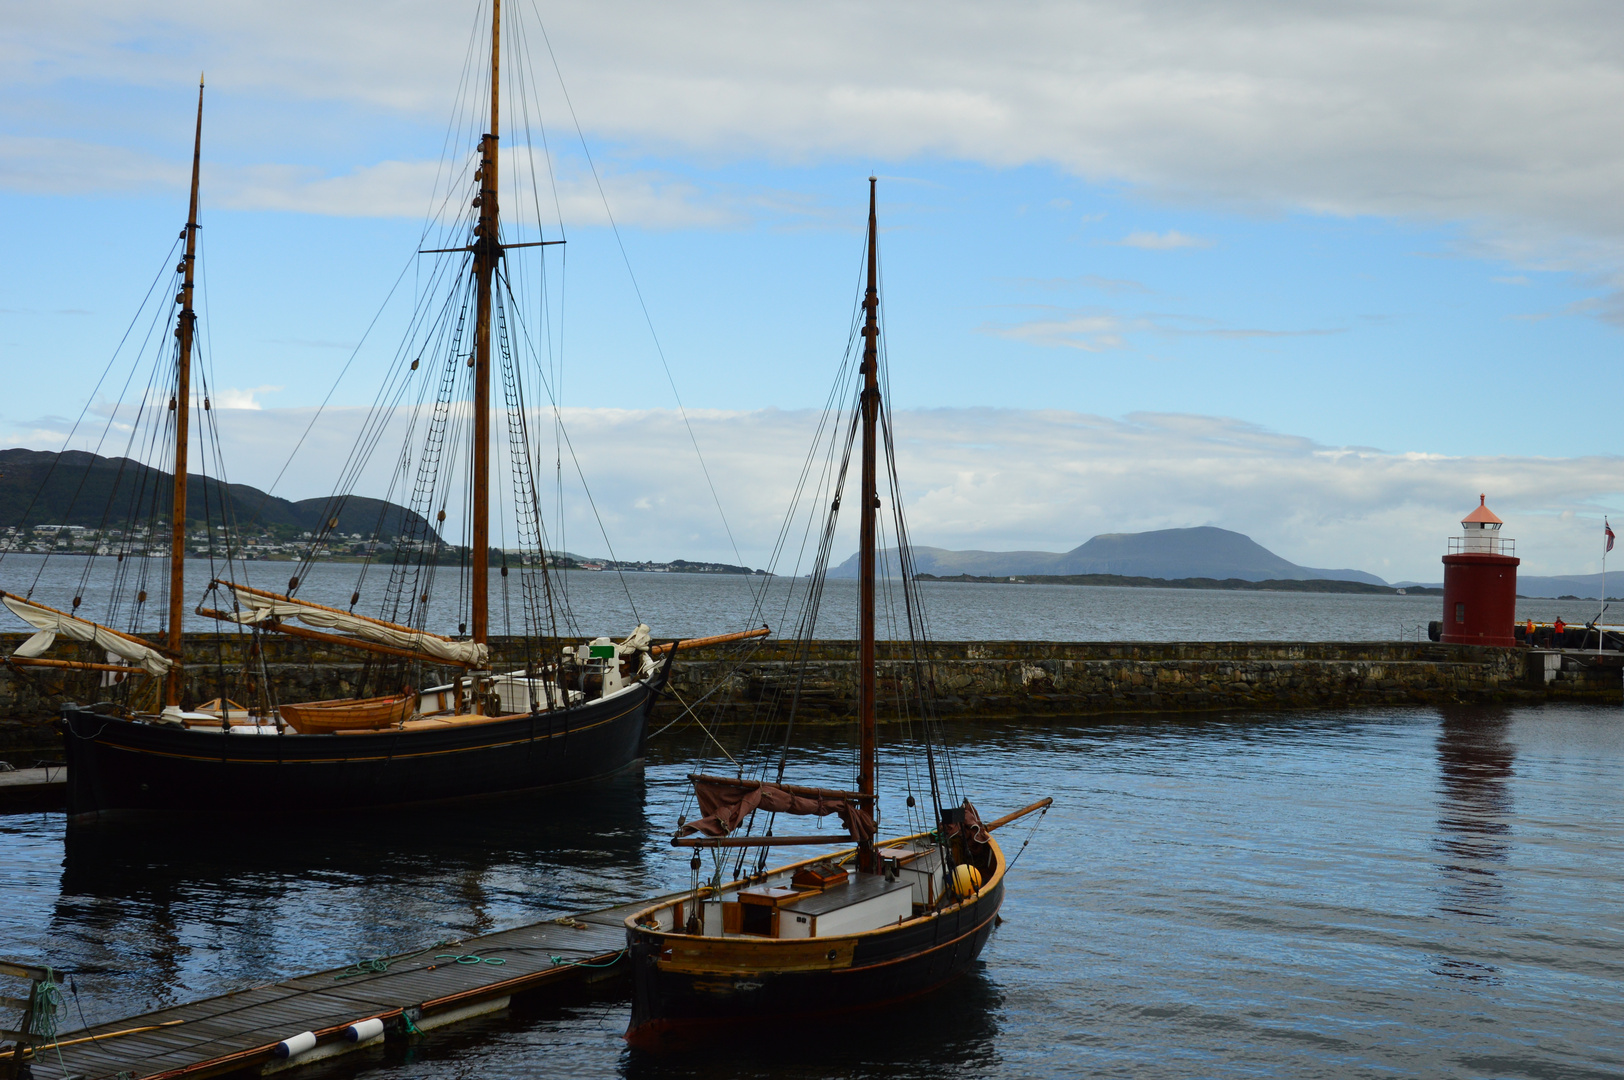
point(1384, 236)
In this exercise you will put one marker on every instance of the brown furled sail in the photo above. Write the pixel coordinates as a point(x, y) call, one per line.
point(724, 804)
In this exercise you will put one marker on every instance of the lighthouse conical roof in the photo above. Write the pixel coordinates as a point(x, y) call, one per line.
point(1482, 515)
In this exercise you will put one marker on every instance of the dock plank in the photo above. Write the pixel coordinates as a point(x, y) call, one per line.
point(237, 1029)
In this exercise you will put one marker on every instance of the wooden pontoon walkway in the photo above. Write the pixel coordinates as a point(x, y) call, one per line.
point(240, 1031)
point(34, 789)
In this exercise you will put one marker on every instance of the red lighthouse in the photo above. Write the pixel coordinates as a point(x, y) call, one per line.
point(1480, 582)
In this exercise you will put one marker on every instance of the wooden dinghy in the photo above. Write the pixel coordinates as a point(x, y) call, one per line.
point(349, 714)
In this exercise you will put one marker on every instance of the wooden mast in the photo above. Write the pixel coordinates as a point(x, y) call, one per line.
point(487, 250)
point(871, 500)
point(174, 681)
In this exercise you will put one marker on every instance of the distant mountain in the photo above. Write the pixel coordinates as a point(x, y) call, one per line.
point(38, 487)
point(1204, 552)
point(1539, 586)
point(1586, 585)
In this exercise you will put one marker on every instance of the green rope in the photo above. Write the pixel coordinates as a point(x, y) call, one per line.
point(378, 965)
point(562, 960)
point(46, 1000)
point(470, 958)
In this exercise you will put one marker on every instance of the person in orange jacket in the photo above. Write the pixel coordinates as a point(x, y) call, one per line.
point(1557, 631)
point(1528, 634)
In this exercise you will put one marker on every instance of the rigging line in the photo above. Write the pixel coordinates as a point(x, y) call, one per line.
point(701, 724)
point(333, 390)
point(410, 262)
point(379, 414)
point(112, 418)
point(636, 288)
point(830, 409)
point(451, 121)
point(68, 441)
point(541, 125)
point(163, 364)
point(586, 489)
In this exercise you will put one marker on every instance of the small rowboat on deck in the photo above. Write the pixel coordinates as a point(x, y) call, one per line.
point(349, 714)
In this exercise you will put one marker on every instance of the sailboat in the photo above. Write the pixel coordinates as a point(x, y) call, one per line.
point(843, 933)
point(441, 721)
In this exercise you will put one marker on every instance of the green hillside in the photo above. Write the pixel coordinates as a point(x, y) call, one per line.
point(38, 487)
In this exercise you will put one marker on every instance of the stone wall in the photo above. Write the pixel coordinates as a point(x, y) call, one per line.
point(973, 679)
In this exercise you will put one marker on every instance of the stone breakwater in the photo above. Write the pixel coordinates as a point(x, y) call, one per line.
point(973, 680)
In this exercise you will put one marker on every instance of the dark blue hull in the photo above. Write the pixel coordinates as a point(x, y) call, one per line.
point(121, 765)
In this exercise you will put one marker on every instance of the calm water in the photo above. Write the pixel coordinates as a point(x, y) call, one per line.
point(1373, 893)
point(694, 605)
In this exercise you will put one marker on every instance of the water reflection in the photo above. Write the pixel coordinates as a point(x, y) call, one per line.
point(1475, 766)
point(162, 907)
point(952, 1032)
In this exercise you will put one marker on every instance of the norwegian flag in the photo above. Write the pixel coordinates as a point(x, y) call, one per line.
point(1609, 529)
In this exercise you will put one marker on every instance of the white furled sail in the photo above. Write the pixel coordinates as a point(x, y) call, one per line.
point(262, 607)
point(51, 622)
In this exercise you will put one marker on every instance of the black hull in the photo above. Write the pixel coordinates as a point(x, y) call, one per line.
point(120, 765)
point(673, 1009)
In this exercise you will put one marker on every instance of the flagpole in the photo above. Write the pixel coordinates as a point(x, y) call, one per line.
point(1606, 545)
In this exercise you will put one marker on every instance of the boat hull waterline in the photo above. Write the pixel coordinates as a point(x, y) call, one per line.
point(685, 987)
point(120, 765)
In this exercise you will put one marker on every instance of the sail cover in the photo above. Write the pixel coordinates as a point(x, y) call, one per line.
point(724, 806)
point(50, 622)
point(261, 608)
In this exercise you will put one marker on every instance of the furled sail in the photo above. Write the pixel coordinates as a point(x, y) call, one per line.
point(725, 803)
point(50, 622)
point(259, 606)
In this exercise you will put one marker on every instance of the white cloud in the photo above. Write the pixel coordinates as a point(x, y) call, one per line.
point(1171, 240)
point(1007, 479)
point(232, 398)
point(1496, 114)
point(1097, 331)
point(1090, 333)
point(402, 189)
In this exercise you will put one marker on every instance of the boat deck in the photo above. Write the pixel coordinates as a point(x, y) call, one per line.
point(240, 1031)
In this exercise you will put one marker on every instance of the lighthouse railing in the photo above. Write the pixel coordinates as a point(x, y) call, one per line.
point(1482, 544)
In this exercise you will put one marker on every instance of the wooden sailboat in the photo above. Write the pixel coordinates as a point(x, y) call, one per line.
point(571, 713)
point(845, 933)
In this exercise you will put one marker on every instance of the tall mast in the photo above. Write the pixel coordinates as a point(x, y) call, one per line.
point(487, 250)
point(183, 389)
point(871, 502)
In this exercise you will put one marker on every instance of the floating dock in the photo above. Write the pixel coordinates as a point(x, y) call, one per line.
point(244, 1031)
point(34, 789)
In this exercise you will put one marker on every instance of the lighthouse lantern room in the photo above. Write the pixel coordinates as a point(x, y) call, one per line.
point(1480, 582)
